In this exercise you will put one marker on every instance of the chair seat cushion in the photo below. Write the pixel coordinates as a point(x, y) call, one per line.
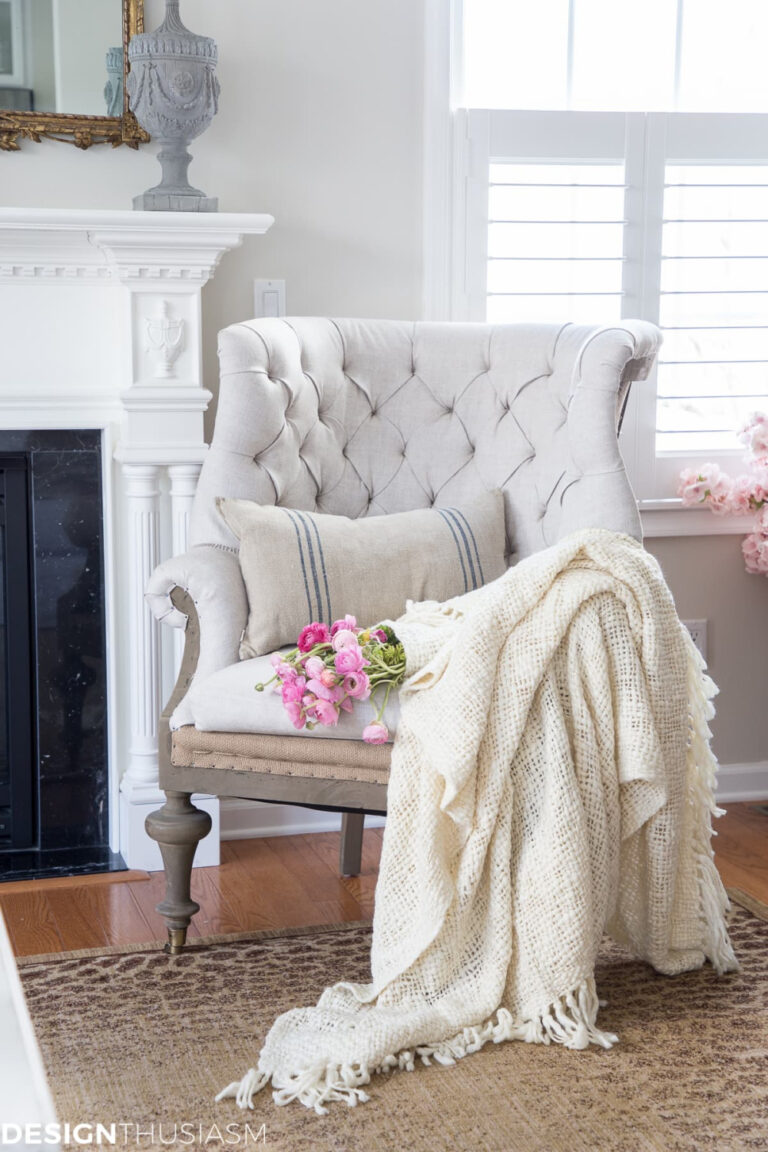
point(228, 701)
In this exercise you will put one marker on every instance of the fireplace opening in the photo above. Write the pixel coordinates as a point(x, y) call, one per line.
point(16, 731)
point(54, 793)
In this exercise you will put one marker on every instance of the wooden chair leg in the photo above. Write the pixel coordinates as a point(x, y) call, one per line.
point(178, 827)
point(350, 855)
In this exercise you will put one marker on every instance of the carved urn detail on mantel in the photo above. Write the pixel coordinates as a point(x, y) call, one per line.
point(174, 95)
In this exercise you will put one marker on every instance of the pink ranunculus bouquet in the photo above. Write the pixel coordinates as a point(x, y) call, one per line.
point(331, 668)
point(747, 493)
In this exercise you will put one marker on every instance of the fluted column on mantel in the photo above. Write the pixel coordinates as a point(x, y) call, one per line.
point(142, 495)
point(183, 479)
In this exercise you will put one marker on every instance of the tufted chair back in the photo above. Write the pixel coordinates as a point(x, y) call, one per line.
point(364, 417)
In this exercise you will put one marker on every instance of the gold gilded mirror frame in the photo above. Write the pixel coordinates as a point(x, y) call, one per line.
point(82, 131)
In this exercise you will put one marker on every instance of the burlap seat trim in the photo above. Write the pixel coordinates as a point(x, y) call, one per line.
point(300, 756)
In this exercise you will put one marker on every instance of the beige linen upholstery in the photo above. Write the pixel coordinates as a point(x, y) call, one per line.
point(359, 417)
point(365, 417)
point(300, 566)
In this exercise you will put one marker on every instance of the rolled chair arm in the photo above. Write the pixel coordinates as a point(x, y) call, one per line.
point(210, 577)
point(597, 490)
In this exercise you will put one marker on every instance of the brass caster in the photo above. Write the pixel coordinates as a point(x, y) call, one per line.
point(177, 938)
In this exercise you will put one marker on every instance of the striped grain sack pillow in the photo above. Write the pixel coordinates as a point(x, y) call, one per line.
point(302, 566)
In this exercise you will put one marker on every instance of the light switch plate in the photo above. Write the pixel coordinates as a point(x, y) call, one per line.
point(269, 298)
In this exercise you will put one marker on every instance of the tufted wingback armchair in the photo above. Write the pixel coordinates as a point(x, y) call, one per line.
point(363, 418)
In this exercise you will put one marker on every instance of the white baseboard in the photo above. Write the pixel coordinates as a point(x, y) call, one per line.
point(742, 782)
point(248, 819)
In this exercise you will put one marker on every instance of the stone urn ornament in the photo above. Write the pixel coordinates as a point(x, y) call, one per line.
point(174, 94)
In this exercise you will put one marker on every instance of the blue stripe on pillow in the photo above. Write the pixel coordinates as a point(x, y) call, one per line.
point(445, 517)
point(292, 519)
point(474, 542)
point(457, 522)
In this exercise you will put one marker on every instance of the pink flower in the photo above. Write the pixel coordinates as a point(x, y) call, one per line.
point(344, 638)
point(349, 623)
point(754, 434)
point(755, 549)
point(327, 713)
point(379, 634)
point(314, 667)
point(293, 708)
point(706, 483)
point(741, 495)
point(286, 672)
point(324, 693)
point(761, 523)
point(346, 704)
point(328, 677)
point(376, 733)
point(294, 690)
point(276, 659)
point(356, 685)
point(349, 660)
point(311, 635)
point(759, 484)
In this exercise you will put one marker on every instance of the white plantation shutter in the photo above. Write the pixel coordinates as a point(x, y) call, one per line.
point(713, 369)
point(609, 159)
point(593, 216)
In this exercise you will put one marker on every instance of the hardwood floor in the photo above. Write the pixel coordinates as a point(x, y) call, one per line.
point(272, 883)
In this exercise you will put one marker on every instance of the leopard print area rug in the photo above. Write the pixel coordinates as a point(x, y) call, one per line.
point(137, 1037)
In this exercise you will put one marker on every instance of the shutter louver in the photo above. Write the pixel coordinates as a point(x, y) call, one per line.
point(555, 242)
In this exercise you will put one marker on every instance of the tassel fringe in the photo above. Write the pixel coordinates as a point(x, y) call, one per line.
point(701, 780)
point(569, 1021)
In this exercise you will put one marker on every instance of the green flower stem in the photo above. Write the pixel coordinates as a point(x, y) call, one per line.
point(380, 670)
point(390, 685)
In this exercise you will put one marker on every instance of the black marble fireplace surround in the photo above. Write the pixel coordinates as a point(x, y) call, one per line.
point(55, 822)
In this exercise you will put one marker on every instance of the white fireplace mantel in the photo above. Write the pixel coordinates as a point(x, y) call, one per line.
point(100, 327)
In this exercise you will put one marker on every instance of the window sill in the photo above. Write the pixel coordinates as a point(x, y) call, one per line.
point(670, 518)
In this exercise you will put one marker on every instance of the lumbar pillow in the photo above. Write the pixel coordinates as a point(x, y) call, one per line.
point(304, 566)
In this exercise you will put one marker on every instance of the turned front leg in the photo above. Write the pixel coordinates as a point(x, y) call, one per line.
point(178, 827)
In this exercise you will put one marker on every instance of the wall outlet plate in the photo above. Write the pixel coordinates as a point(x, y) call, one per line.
point(698, 631)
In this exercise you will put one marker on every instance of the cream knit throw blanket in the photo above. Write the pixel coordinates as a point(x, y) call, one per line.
point(551, 780)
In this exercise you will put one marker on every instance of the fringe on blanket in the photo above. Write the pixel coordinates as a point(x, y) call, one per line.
point(701, 780)
point(569, 1021)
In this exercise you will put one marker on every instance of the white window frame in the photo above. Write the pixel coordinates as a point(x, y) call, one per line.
point(458, 147)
